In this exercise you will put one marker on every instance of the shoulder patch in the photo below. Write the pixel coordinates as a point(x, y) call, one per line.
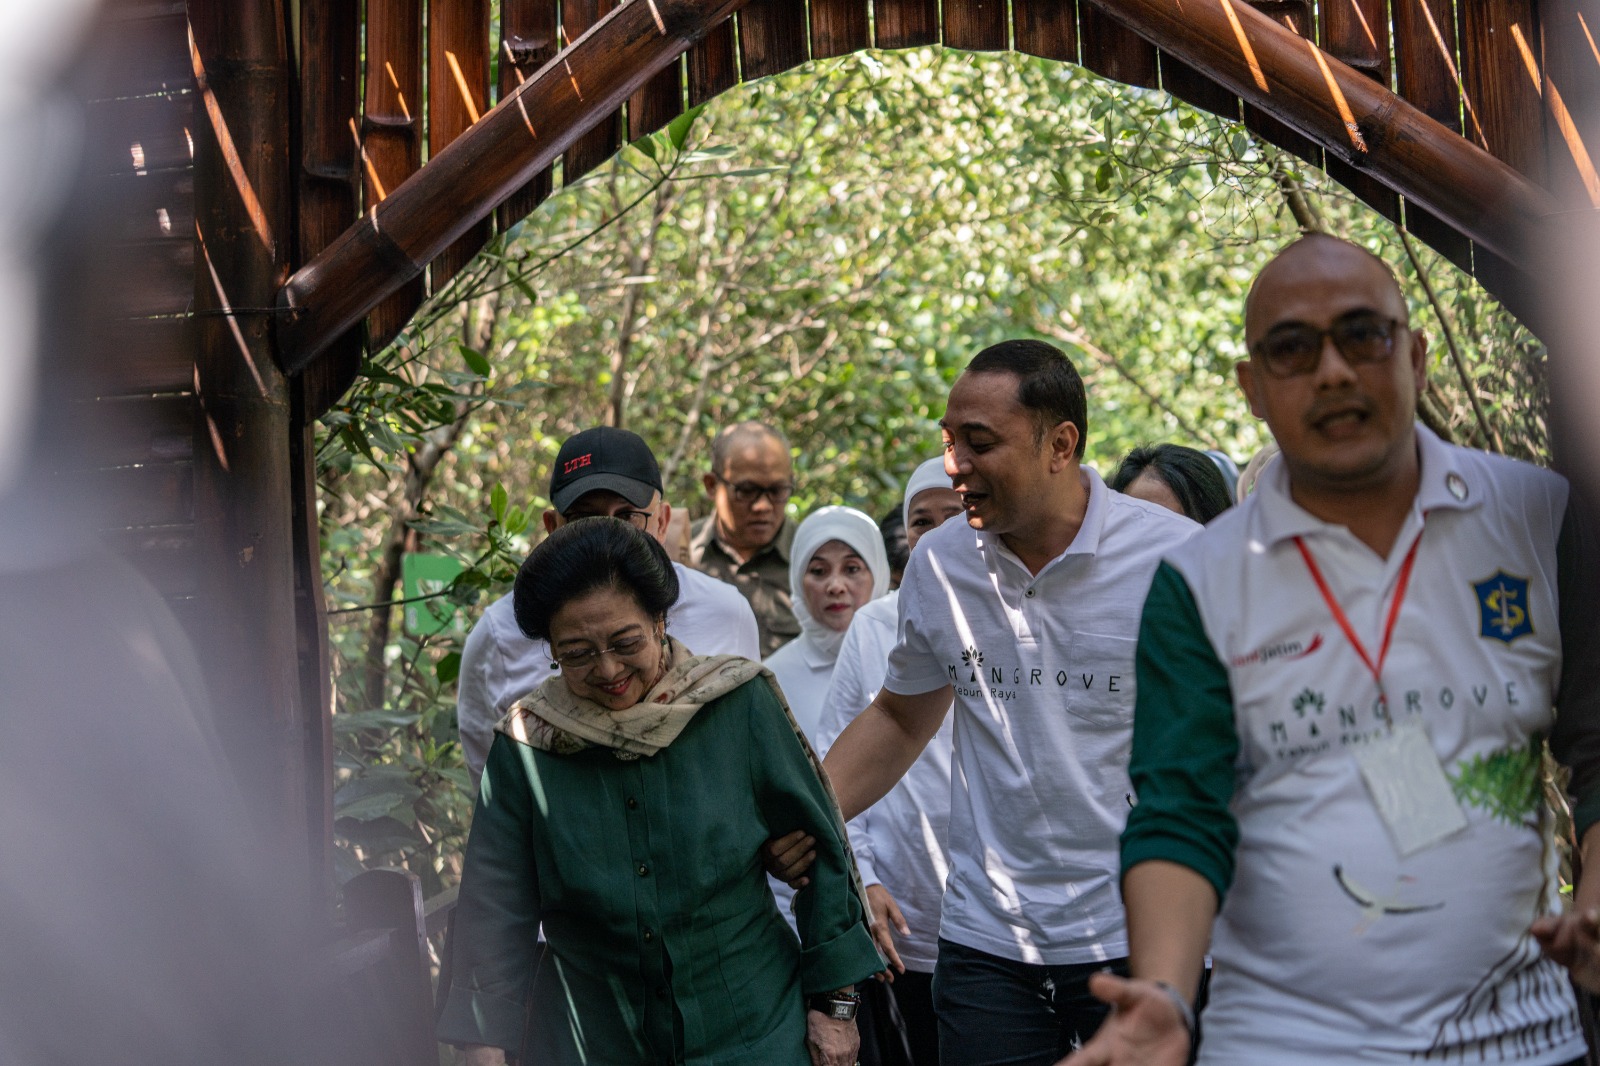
point(1503, 606)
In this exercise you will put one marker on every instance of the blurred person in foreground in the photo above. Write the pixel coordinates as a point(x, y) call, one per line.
point(745, 541)
point(145, 919)
point(599, 472)
point(901, 842)
point(623, 805)
point(1344, 685)
point(1180, 479)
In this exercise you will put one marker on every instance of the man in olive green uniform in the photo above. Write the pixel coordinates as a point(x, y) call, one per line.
point(745, 542)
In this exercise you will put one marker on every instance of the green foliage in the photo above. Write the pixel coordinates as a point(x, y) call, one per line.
point(823, 250)
point(1505, 783)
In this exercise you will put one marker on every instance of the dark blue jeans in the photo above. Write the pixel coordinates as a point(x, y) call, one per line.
point(996, 1012)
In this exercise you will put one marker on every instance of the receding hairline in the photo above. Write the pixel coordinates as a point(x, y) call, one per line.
point(742, 435)
point(1309, 241)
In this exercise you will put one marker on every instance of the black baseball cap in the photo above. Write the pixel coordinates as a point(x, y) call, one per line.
point(604, 458)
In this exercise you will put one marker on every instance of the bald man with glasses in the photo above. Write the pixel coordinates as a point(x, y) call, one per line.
point(745, 541)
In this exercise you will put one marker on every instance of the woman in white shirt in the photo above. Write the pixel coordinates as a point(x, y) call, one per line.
point(837, 564)
point(902, 841)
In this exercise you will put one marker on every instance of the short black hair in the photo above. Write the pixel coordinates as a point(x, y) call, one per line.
point(589, 554)
point(1193, 477)
point(737, 435)
point(1047, 384)
point(892, 527)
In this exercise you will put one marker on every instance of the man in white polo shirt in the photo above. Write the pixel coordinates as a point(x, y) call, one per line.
point(1344, 685)
point(600, 471)
point(1024, 615)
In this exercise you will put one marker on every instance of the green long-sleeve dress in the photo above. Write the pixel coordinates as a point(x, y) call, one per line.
point(665, 945)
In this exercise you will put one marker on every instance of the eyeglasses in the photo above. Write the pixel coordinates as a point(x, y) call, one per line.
point(636, 519)
point(1295, 349)
point(576, 662)
point(748, 492)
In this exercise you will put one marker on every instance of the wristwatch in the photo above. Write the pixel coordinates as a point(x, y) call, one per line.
point(839, 1006)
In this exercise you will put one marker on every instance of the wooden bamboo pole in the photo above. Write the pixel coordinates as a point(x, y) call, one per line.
point(498, 155)
point(1351, 116)
point(244, 486)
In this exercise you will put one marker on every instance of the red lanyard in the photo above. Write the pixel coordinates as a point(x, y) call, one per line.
point(1375, 668)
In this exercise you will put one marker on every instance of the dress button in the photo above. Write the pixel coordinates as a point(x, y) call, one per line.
point(644, 871)
point(649, 935)
point(661, 993)
point(1030, 593)
point(633, 804)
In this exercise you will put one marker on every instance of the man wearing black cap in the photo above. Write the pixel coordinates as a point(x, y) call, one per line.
point(599, 472)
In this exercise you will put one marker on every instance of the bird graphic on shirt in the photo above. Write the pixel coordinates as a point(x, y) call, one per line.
point(1374, 906)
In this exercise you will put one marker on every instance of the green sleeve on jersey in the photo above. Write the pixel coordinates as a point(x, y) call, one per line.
point(1575, 740)
point(1184, 742)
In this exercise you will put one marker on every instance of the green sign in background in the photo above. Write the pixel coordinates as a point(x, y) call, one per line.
point(424, 574)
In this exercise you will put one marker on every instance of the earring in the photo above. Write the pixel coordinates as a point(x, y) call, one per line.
point(554, 664)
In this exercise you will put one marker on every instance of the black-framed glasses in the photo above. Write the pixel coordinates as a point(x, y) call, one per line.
point(1295, 348)
point(637, 519)
point(585, 660)
point(748, 492)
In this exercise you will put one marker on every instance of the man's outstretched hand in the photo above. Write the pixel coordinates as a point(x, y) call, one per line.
point(1145, 1027)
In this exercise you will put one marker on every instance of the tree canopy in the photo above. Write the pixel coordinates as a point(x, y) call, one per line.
point(823, 250)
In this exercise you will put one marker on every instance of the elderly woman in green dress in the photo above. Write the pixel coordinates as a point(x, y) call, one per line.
point(623, 806)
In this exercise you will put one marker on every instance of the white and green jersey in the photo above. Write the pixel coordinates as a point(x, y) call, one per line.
point(1252, 705)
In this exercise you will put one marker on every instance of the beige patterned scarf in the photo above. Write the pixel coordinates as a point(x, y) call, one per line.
point(552, 719)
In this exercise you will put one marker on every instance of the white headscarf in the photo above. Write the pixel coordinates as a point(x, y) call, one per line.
point(928, 475)
point(822, 525)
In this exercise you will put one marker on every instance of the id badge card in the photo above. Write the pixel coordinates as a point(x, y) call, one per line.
point(1408, 786)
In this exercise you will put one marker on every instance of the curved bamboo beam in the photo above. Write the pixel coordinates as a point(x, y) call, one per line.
point(499, 154)
point(1348, 114)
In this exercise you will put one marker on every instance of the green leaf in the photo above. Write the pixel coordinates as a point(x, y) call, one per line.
point(475, 360)
point(678, 129)
point(448, 668)
point(497, 503)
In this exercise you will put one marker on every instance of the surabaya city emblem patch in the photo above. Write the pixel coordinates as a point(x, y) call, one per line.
point(1503, 603)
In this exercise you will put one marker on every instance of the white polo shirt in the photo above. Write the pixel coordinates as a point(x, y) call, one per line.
point(1331, 945)
point(1042, 667)
point(902, 841)
point(499, 665)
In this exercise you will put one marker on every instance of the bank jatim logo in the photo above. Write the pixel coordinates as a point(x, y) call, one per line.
point(972, 658)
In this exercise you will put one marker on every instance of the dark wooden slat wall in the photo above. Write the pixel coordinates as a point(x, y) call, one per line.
point(713, 70)
point(1112, 50)
point(602, 142)
point(976, 25)
point(527, 42)
point(1047, 28)
point(658, 103)
point(458, 95)
point(838, 28)
point(136, 398)
point(1189, 85)
point(1572, 100)
point(391, 133)
point(905, 23)
point(1503, 95)
point(1357, 33)
point(772, 37)
point(1425, 75)
point(328, 177)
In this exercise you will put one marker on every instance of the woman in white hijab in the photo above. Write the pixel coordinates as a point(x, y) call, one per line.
point(901, 842)
point(837, 564)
